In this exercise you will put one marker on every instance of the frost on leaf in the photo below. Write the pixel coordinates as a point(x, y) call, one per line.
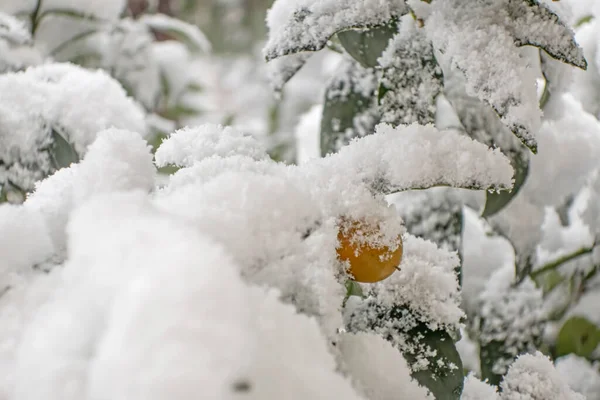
point(533, 377)
point(533, 23)
point(350, 107)
point(509, 323)
point(391, 160)
point(307, 25)
point(474, 38)
point(411, 78)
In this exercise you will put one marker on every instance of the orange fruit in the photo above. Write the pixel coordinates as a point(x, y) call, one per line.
point(367, 263)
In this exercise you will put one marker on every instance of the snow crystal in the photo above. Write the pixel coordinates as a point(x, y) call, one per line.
point(533, 377)
point(474, 38)
point(475, 389)
point(378, 368)
point(580, 375)
point(189, 145)
point(300, 25)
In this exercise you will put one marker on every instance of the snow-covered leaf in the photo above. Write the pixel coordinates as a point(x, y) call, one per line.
point(282, 69)
point(367, 45)
point(431, 354)
point(477, 39)
point(411, 80)
point(444, 374)
point(391, 160)
point(350, 108)
point(307, 25)
point(495, 202)
point(482, 124)
point(537, 25)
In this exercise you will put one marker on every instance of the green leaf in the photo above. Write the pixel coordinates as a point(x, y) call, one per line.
point(353, 289)
point(577, 336)
point(535, 24)
point(435, 362)
point(350, 107)
point(366, 46)
point(444, 374)
point(411, 79)
point(62, 153)
point(495, 202)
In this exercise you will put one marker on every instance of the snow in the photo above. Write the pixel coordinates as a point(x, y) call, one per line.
point(77, 103)
point(301, 25)
point(24, 242)
point(426, 283)
point(117, 160)
point(391, 160)
point(474, 389)
point(581, 375)
point(411, 75)
point(186, 146)
point(307, 136)
point(378, 368)
point(533, 377)
point(511, 314)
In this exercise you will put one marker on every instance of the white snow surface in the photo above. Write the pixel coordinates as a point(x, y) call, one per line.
point(379, 368)
point(533, 377)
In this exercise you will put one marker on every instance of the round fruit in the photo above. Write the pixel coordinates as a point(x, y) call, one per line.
point(367, 263)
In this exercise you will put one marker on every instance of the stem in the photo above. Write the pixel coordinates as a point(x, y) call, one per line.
point(34, 17)
point(561, 260)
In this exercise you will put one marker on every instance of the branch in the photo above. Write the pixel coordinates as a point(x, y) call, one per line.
point(561, 260)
